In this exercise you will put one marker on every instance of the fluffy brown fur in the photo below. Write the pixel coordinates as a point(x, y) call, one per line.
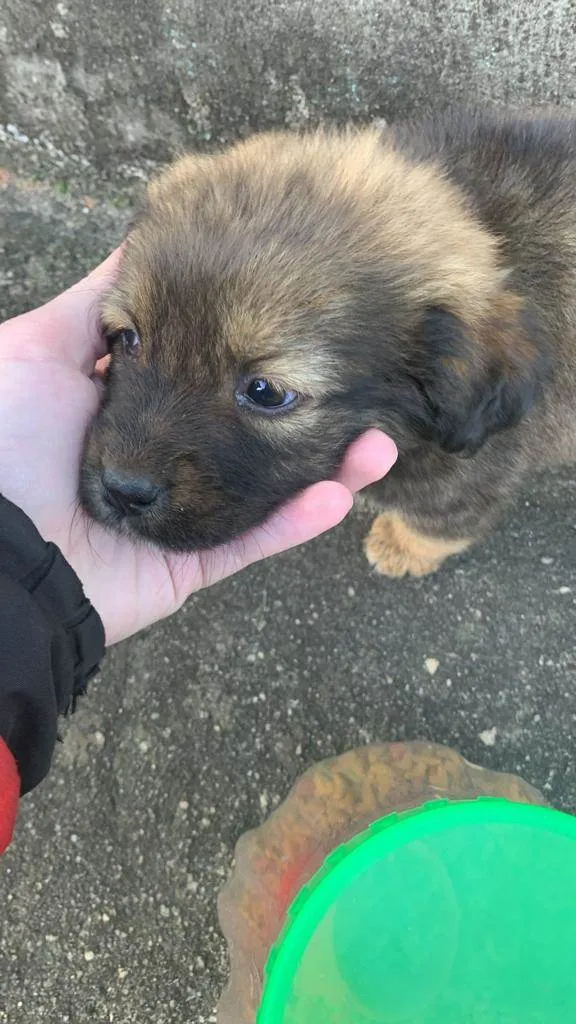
point(421, 279)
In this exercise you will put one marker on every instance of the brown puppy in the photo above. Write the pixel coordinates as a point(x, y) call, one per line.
point(276, 300)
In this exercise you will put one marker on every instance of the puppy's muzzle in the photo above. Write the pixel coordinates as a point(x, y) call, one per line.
point(129, 494)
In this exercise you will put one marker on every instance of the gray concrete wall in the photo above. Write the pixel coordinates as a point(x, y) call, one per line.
point(100, 88)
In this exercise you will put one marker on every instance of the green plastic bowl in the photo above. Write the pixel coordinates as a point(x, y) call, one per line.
point(456, 913)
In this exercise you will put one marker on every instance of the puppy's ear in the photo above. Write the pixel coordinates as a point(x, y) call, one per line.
point(477, 381)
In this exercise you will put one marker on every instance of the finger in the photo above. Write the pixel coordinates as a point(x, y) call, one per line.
point(101, 366)
point(367, 460)
point(74, 315)
point(313, 512)
point(68, 327)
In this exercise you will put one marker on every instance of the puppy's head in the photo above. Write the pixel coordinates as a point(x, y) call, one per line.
point(273, 302)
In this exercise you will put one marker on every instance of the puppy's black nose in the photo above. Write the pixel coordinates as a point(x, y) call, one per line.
point(128, 494)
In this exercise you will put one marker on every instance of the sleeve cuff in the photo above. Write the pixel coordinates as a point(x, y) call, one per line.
point(9, 795)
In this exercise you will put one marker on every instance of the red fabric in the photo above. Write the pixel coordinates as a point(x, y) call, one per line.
point(9, 795)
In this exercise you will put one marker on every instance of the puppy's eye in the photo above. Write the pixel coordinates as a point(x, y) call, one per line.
point(130, 341)
point(128, 338)
point(266, 395)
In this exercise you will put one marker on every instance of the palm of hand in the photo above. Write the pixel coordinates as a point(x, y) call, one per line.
point(45, 407)
point(48, 395)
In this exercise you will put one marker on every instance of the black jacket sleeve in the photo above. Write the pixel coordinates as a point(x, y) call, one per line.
point(51, 643)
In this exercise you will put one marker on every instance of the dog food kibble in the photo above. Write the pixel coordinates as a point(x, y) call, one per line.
point(331, 803)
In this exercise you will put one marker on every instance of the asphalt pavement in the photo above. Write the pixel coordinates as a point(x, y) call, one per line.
point(196, 729)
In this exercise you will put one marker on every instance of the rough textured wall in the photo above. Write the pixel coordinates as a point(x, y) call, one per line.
point(101, 88)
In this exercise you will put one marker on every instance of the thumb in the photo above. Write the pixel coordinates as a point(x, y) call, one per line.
point(67, 327)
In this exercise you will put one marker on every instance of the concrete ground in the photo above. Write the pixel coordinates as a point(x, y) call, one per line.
point(197, 728)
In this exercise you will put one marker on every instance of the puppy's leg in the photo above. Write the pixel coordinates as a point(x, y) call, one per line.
point(396, 549)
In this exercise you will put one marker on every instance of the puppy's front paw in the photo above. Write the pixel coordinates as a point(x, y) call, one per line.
point(395, 549)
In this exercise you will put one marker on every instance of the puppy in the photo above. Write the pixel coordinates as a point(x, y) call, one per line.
point(276, 300)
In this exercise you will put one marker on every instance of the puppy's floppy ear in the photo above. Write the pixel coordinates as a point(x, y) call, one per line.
point(476, 381)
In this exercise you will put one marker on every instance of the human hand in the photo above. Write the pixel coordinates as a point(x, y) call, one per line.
point(49, 392)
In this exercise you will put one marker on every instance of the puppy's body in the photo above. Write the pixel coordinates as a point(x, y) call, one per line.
point(519, 179)
point(422, 280)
